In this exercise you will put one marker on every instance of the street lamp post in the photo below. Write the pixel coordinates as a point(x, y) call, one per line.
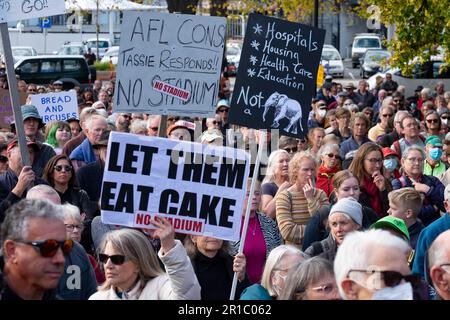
point(316, 13)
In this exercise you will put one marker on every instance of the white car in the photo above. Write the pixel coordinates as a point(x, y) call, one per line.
point(72, 49)
point(332, 61)
point(111, 55)
point(104, 45)
point(22, 52)
point(362, 42)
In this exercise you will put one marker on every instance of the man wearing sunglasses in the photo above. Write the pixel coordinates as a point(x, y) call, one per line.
point(439, 260)
point(373, 265)
point(34, 246)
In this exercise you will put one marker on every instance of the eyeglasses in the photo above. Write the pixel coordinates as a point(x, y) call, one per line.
point(432, 120)
point(291, 150)
point(327, 288)
point(215, 122)
point(72, 227)
point(419, 160)
point(302, 140)
point(373, 160)
point(336, 156)
point(48, 248)
point(392, 278)
point(126, 116)
point(61, 167)
point(444, 118)
point(116, 259)
point(396, 101)
point(322, 105)
point(223, 110)
point(388, 115)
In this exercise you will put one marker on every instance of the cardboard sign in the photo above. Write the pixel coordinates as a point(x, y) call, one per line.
point(184, 51)
point(200, 187)
point(6, 112)
point(14, 10)
point(277, 75)
point(56, 106)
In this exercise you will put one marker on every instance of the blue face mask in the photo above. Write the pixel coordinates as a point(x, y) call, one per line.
point(435, 154)
point(390, 164)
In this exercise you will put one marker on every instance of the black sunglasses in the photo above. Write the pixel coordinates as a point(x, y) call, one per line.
point(291, 150)
point(336, 156)
point(116, 259)
point(432, 120)
point(393, 278)
point(65, 167)
point(48, 248)
point(223, 110)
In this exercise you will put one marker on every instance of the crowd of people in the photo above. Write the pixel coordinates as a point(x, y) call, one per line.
point(357, 209)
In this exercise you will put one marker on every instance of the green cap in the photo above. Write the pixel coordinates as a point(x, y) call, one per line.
point(435, 141)
point(394, 223)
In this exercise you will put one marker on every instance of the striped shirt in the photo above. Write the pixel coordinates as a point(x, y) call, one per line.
point(292, 218)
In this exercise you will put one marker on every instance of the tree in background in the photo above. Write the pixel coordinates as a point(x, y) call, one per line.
point(420, 27)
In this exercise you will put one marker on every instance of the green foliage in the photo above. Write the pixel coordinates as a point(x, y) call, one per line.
point(104, 66)
point(421, 26)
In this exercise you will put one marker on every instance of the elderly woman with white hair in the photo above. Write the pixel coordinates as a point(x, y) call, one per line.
point(280, 260)
point(330, 164)
point(275, 181)
point(139, 127)
point(345, 217)
point(373, 265)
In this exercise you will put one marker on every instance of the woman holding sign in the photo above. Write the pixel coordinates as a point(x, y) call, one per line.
point(133, 271)
point(262, 235)
point(215, 267)
point(295, 205)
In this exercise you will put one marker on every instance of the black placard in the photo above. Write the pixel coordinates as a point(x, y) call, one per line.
point(277, 75)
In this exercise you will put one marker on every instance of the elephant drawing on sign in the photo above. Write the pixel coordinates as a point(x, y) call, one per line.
point(284, 108)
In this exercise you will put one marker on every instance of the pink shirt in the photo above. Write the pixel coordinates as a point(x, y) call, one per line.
point(254, 249)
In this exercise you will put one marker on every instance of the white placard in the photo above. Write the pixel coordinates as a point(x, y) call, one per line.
point(184, 51)
point(198, 186)
point(56, 106)
point(14, 10)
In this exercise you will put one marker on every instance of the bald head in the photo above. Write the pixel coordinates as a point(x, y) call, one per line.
point(439, 263)
point(43, 191)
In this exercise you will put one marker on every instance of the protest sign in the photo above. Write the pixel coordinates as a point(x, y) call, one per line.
point(277, 74)
point(199, 186)
point(6, 112)
point(56, 106)
point(14, 10)
point(183, 51)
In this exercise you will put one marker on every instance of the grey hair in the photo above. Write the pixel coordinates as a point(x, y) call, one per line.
point(273, 261)
point(426, 92)
point(135, 246)
point(303, 275)
point(406, 152)
point(151, 118)
point(398, 114)
point(15, 225)
point(355, 252)
point(271, 164)
point(327, 148)
point(388, 106)
point(71, 212)
point(41, 191)
point(137, 125)
point(88, 112)
point(89, 122)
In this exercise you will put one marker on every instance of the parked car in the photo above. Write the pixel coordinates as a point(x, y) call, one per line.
point(361, 43)
point(373, 61)
point(104, 45)
point(426, 75)
point(21, 52)
point(111, 55)
point(74, 48)
point(332, 61)
point(233, 55)
point(48, 68)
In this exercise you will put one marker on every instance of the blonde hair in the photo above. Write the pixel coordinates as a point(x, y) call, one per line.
point(296, 162)
point(407, 198)
point(137, 248)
